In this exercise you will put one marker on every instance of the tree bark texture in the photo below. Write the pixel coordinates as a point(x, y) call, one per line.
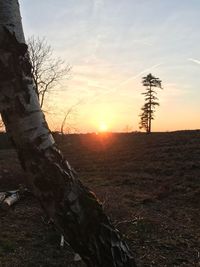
point(72, 207)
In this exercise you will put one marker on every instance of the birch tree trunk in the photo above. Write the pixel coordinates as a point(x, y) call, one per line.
point(72, 208)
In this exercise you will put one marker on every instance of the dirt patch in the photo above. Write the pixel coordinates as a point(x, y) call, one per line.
point(149, 186)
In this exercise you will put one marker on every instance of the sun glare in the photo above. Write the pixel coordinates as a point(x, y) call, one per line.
point(103, 127)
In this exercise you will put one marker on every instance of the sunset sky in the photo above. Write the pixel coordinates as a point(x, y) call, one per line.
point(111, 45)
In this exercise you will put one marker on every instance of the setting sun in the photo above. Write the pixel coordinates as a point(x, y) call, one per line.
point(103, 118)
point(103, 127)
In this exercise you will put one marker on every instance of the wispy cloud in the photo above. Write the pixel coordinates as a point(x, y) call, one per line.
point(121, 84)
point(194, 60)
point(98, 4)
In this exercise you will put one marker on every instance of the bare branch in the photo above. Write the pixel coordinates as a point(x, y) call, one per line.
point(47, 70)
point(66, 116)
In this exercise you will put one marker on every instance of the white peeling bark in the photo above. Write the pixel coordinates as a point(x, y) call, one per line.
point(73, 209)
point(31, 126)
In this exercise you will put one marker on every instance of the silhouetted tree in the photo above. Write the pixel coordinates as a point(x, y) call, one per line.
point(151, 101)
point(70, 206)
point(47, 70)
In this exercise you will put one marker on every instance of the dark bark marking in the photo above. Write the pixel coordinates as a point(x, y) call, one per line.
point(19, 107)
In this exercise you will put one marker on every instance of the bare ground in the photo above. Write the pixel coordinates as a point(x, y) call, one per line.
point(149, 186)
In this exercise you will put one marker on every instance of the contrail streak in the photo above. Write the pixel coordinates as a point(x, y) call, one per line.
point(123, 83)
point(194, 60)
point(137, 75)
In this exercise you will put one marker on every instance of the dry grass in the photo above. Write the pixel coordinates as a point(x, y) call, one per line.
point(149, 186)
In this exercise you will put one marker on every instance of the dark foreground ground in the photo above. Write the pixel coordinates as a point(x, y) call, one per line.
point(149, 186)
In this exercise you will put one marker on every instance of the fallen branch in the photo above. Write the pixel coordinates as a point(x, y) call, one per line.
point(8, 198)
point(126, 221)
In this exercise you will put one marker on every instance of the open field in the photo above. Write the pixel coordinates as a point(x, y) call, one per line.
point(149, 186)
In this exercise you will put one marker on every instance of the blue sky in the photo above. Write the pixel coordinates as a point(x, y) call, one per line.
point(111, 44)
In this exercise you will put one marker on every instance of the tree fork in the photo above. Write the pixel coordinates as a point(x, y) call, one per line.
point(72, 207)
